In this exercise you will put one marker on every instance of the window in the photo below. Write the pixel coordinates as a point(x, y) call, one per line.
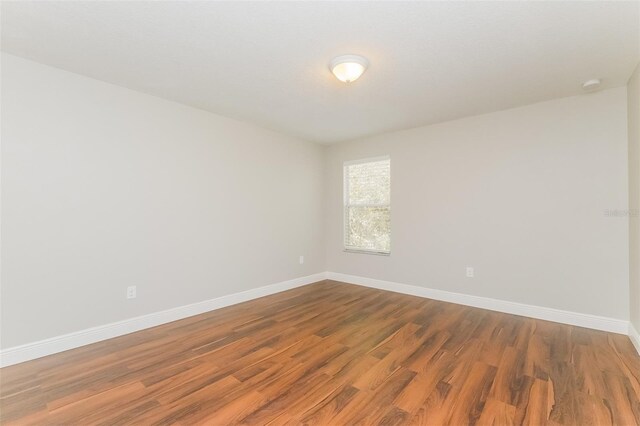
point(367, 205)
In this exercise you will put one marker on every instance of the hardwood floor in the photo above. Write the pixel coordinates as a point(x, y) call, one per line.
point(331, 354)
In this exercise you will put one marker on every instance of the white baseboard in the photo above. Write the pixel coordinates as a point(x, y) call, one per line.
point(76, 339)
point(635, 337)
point(550, 314)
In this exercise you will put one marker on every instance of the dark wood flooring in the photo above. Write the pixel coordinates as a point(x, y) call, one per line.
point(333, 354)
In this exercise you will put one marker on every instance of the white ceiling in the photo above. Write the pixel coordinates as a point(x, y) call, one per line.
point(266, 62)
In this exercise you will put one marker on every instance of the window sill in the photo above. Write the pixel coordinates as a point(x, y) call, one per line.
point(376, 253)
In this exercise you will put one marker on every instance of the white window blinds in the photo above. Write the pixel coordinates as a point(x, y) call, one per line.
point(367, 205)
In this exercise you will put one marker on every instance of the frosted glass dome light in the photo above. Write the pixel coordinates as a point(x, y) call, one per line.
point(348, 68)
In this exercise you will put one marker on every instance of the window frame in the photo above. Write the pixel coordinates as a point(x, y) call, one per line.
point(345, 196)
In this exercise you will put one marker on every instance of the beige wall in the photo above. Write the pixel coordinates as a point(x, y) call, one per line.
point(633, 101)
point(104, 187)
point(520, 195)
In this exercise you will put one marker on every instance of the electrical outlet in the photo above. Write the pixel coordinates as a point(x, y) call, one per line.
point(301, 260)
point(131, 292)
point(469, 271)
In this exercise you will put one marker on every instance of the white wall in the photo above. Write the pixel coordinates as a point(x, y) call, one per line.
point(520, 195)
point(633, 102)
point(104, 187)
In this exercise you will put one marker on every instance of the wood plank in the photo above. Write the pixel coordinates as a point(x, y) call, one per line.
point(330, 354)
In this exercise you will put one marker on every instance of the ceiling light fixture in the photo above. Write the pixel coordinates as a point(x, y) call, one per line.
point(348, 68)
point(591, 85)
